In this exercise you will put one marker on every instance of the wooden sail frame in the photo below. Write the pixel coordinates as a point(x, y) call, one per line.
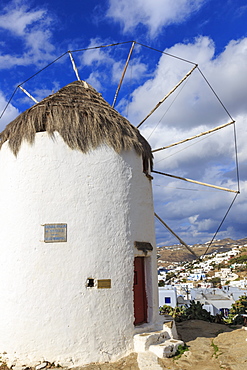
point(167, 95)
point(152, 111)
point(28, 94)
point(194, 137)
point(173, 233)
point(197, 182)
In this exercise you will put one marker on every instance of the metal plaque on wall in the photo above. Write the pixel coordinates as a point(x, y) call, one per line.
point(55, 233)
point(104, 284)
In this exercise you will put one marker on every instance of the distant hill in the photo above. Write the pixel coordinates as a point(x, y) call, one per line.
point(178, 253)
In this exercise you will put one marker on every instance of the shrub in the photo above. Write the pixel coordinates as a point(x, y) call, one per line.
point(238, 308)
point(161, 283)
point(193, 312)
point(216, 281)
point(196, 312)
point(181, 349)
point(166, 310)
point(240, 259)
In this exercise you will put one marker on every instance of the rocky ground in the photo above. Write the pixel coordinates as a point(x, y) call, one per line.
point(210, 347)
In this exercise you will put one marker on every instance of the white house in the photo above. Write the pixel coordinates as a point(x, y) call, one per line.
point(196, 276)
point(183, 289)
point(162, 274)
point(214, 300)
point(235, 292)
point(168, 296)
point(78, 261)
point(225, 274)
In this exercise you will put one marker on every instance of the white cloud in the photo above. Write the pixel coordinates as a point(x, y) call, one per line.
point(134, 72)
point(32, 29)
point(10, 113)
point(227, 73)
point(8, 61)
point(152, 13)
point(17, 20)
point(96, 55)
point(94, 80)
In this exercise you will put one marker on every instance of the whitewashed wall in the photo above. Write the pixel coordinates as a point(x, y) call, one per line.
point(47, 312)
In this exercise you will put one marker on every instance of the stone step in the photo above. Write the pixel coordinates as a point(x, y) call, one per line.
point(166, 349)
point(143, 341)
point(162, 343)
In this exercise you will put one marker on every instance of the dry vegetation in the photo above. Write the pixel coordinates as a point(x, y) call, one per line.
point(83, 119)
point(181, 254)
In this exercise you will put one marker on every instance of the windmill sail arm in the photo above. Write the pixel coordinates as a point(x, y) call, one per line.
point(74, 66)
point(167, 95)
point(173, 233)
point(194, 137)
point(123, 73)
point(27, 93)
point(196, 182)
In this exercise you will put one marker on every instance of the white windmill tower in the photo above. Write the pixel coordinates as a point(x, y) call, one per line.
point(76, 218)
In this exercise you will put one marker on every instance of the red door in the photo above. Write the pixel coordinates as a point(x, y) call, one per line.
point(140, 299)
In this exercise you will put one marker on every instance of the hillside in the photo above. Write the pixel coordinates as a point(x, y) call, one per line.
point(178, 253)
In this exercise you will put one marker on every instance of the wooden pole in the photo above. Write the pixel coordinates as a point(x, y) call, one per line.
point(166, 96)
point(194, 137)
point(27, 93)
point(74, 66)
point(123, 74)
point(196, 182)
point(173, 233)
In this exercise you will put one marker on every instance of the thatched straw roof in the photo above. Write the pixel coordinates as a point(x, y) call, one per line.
point(83, 119)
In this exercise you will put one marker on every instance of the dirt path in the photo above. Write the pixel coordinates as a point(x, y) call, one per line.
point(211, 347)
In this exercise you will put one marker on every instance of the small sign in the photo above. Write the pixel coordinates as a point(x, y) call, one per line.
point(55, 233)
point(104, 284)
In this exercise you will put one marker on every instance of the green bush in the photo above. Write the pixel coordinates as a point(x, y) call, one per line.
point(161, 283)
point(193, 312)
point(196, 312)
point(216, 281)
point(238, 308)
point(166, 310)
point(181, 349)
point(240, 259)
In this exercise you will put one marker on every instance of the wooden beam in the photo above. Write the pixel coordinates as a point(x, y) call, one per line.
point(194, 137)
point(74, 66)
point(123, 74)
point(197, 182)
point(167, 95)
point(173, 233)
point(27, 93)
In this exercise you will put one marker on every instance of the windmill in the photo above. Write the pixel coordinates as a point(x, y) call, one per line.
point(75, 139)
point(171, 94)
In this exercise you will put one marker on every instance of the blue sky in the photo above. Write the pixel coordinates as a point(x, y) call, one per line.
point(212, 34)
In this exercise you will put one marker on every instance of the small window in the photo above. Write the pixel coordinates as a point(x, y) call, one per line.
point(90, 283)
point(167, 300)
point(145, 165)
